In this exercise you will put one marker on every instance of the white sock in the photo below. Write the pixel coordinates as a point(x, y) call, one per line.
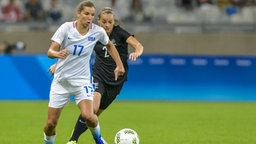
point(49, 139)
point(95, 131)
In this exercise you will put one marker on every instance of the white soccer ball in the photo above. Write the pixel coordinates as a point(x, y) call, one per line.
point(126, 136)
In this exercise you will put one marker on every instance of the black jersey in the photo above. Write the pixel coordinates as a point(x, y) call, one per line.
point(104, 65)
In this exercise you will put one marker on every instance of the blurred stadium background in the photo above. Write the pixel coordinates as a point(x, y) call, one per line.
point(194, 50)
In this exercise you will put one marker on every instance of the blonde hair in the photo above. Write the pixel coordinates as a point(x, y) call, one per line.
point(108, 10)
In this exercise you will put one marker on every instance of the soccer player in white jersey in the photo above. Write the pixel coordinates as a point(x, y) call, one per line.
point(73, 44)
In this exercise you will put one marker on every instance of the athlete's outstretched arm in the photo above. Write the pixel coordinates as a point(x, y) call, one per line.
point(114, 54)
point(132, 41)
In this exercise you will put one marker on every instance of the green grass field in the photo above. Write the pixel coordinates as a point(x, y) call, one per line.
point(22, 122)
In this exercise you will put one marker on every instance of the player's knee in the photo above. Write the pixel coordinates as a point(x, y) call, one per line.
point(88, 117)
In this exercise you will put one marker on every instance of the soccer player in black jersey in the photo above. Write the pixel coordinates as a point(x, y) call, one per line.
point(107, 85)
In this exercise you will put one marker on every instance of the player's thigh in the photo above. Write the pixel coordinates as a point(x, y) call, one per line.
point(96, 101)
point(58, 100)
point(110, 95)
point(59, 97)
point(86, 108)
point(84, 100)
point(84, 94)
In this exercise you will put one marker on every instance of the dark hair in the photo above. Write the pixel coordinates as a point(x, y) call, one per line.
point(81, 6)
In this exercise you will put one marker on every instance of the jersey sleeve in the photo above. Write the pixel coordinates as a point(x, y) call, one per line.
point(104, 37)
point(123, 34)
point(60, 34)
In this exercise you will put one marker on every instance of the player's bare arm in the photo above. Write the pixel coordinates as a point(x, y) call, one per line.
point(52, 69)
point(54, 51)
point(138, 48)
point(114, 54)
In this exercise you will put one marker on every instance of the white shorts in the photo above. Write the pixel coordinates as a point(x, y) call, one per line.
point(60, 94)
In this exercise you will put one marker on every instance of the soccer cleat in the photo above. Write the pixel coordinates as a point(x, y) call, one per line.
point(100, 140)
point(72, 142)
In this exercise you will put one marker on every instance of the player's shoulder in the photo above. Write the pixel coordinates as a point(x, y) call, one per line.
point(119, 29)
point(96, 27)
point(120, 32)
point(68, 25)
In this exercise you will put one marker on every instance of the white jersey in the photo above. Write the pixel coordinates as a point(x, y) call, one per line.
point(75, 68)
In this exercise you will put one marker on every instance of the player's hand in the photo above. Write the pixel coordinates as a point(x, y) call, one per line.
point(119, 71)
point(63, 54)
point(133, 56)
point(52, 69)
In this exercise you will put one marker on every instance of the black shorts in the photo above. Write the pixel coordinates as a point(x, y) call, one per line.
point(108, 92)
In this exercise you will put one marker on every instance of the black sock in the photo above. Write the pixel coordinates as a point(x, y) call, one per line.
point(79, 129)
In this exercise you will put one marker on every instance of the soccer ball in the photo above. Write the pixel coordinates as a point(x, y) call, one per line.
point(126, 136)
